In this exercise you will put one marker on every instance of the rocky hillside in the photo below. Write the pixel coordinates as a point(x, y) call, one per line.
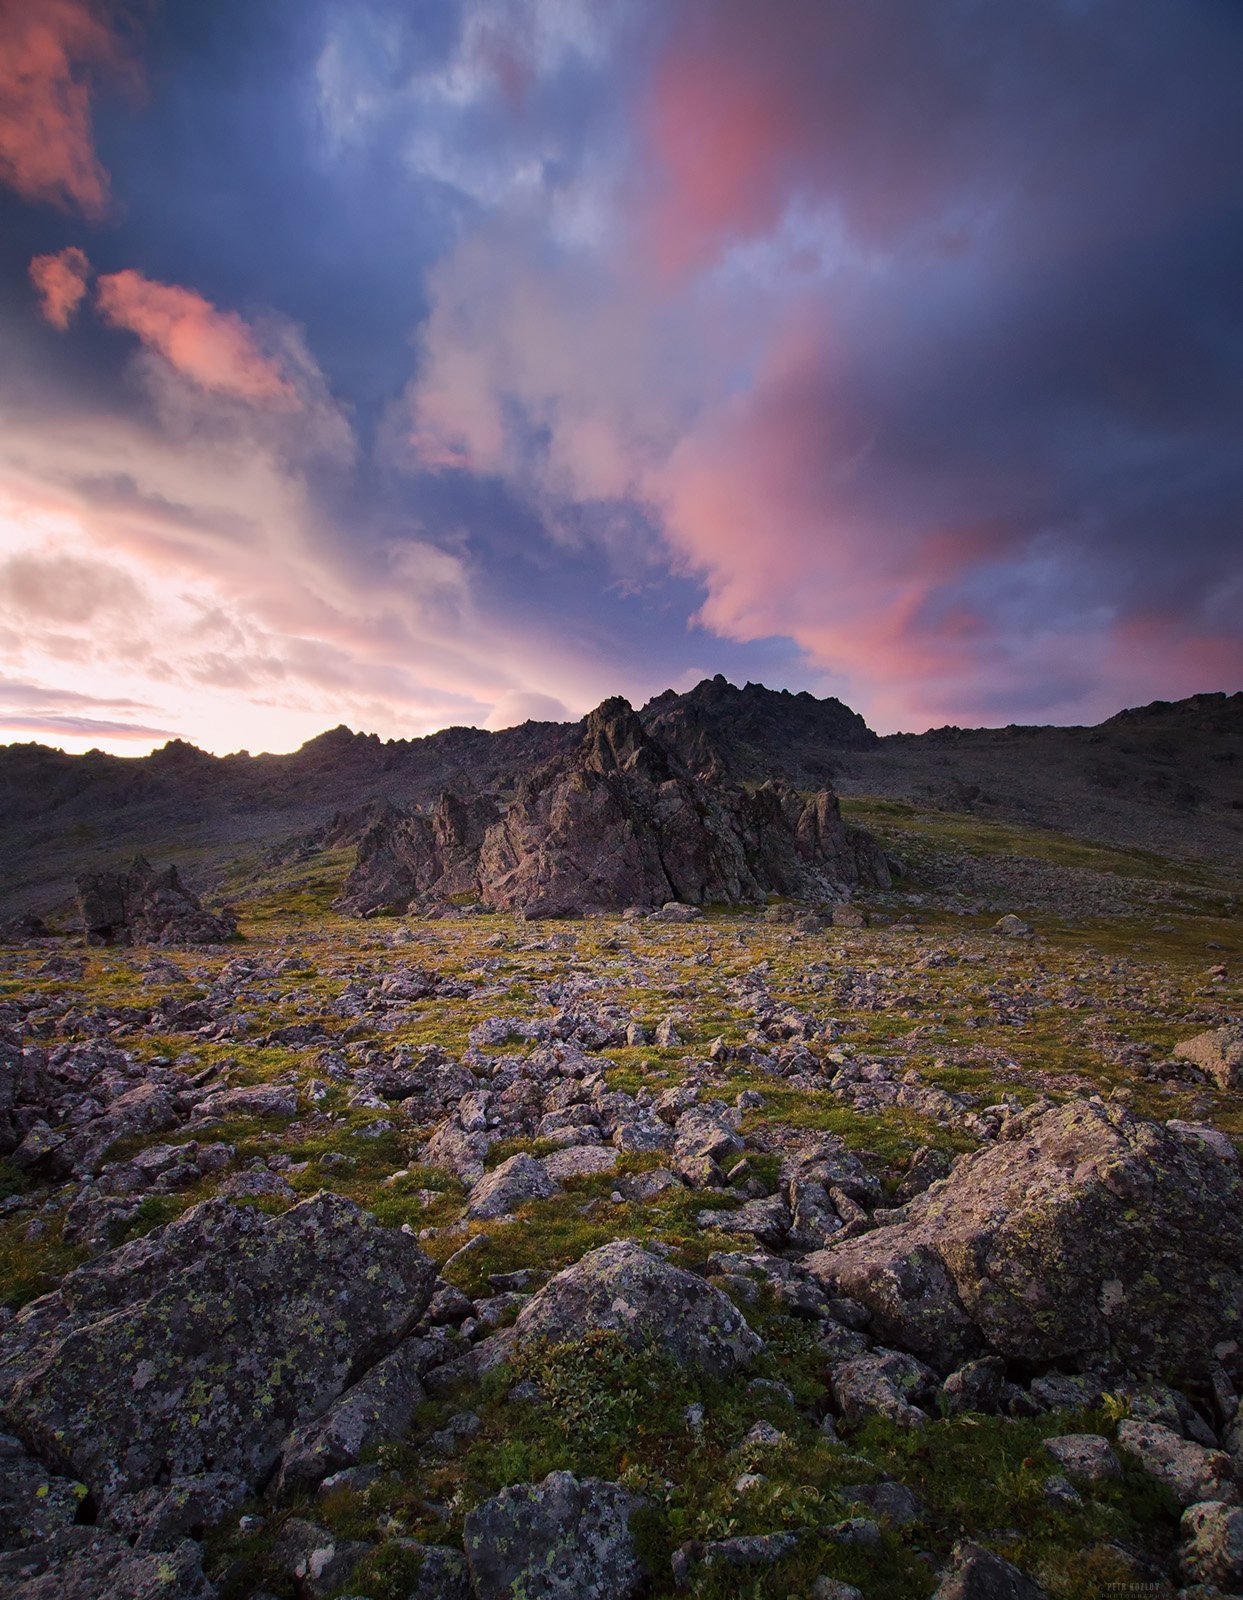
point(1167, 777)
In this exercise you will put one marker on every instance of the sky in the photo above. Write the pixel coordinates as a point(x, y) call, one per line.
point(464, 361)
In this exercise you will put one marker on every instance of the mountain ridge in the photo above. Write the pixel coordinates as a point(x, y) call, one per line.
point(1167, 775)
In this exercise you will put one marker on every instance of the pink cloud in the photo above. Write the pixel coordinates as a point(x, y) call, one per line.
point(48, 51)
point(61, 281)
point(216, 349)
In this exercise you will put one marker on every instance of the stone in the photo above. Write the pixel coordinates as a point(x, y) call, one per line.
point(767, 1220)
point(1190, 1471)
point(826, 1588)
point(90, 1563)
point(973, 1573)
point(1219, 1053)
point(375, 1410)
point(318, 1562)
point(199, 1347)
point(744, 1550)
point(443, 1573)
point(883, 1383)
point(33, 1503)
point(1080, 1235)
point(146, 906)
point(562, 1539)
point(1084, 1457)
point(512, 1184)
point(248, 1100)
point(623, 1288)
point(974, 1387)
point(1212, 1550)
point(579, 1161)
point(898, 1505)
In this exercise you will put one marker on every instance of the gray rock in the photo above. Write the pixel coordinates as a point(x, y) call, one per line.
point(579, 1161)
point(1084, 1457)
point(510, 1185)
point(561, 1539)
point(318, 1562)
point(1081, 1234)
point(443, 1573)
point(766, 1220)
point(883, 1383)
point(375, 1410)
point(744, 1550)
point(973, 1573)
point(1190, 1471)
point(624, 1288)
point(899, 1505)
point(197, 1348)
point(91, 1564)
point(146, 906)
point(249, 1100)
point(826, 1588)
point(1219, 1053)
point(33, 1503)
point(1212, 1549)
point(974, 1387)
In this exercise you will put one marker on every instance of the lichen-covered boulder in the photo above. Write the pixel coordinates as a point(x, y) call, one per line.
point(1212, 1551)
point(1219, 1053)
point(198, 1348)
point(624, 1289)
point(510, 1185)
point(563, 1539)
point(1080, 1235)
point(88, 1564)
point(33, 1503)
point(1188, 1470)
point(375, 1410)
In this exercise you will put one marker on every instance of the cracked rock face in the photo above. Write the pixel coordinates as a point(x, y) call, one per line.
point(196, 1349)
point(618, 822)
point(624, 1289)
point(1082, 1235)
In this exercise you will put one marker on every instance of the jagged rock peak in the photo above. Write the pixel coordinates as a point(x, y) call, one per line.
point(615, 740)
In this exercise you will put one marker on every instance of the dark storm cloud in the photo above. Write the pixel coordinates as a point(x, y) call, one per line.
point(443, 361)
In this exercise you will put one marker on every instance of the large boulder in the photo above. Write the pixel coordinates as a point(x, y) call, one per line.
point(91, 1564)
point(563, 1539)
point(146, 906)
point(974, 1573)
point(1080, 1236)
point(197, 1349)
point(624, 1289)
point(615, 823)
point(1219, 1053)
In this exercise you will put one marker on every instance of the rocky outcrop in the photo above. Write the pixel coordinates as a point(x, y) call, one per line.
point(1080, 1236)
point(618, 822)
point(146, 906)
point(195, 1351)
point(622, 1288)
point(745, 735)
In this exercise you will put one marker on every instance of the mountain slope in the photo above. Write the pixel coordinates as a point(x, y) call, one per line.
point(1166, 777)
